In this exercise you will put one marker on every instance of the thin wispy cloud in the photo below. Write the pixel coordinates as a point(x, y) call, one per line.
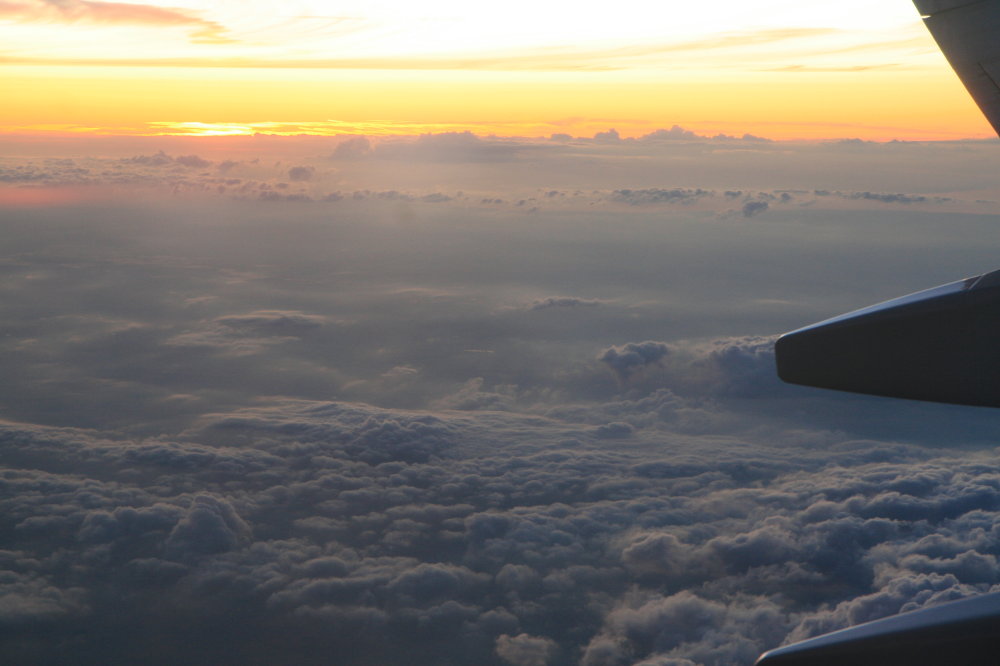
point(527, 63)
point(553, 58)
point(201, 31)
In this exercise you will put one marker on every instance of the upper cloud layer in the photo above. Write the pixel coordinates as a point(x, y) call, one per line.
point(87, 11)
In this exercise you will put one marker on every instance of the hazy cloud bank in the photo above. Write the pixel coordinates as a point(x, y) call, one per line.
point(666, 167)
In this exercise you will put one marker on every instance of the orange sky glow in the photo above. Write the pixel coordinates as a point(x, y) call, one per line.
point(783, 70)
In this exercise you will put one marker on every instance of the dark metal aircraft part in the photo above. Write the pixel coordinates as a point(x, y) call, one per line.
point(965, 633)
point(942, 344)
point(966, 31)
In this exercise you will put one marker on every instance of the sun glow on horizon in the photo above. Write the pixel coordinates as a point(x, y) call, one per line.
point(801, 69)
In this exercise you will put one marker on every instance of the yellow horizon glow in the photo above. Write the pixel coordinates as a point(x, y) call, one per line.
point(780, 69)
point(868, 106)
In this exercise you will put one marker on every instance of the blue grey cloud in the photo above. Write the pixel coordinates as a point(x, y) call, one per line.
point(634, 357)
point(407, 426)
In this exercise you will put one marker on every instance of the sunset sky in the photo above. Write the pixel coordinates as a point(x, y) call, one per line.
point(777, 68)
point(442, 333)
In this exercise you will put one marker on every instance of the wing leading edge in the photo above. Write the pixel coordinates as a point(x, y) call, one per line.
point(966, 31)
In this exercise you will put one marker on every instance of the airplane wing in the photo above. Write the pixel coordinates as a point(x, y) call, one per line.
point(961, 632)
point(942, 345)
point(939, 344)
point(967, 32)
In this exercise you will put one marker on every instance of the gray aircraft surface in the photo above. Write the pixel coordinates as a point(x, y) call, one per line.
point(941, 345)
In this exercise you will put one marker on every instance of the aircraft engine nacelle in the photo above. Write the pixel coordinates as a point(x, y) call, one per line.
point(942, 345)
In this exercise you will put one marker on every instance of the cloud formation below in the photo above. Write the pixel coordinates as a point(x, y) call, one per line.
point(426, 407)
point(745, 176)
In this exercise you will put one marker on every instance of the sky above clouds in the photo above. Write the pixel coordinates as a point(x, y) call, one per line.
point(787, 69)
point(373, 332)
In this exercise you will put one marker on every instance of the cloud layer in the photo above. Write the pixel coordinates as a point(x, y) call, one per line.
point(483, 423)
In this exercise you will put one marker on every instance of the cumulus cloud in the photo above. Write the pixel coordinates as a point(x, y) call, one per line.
point(657, 195)
point(448, 147)
point(754, 208)
point(506, 532)
point(26, 599)
point(675, 133)
point(301, 173)
point(657, 553)
point(745, 366)
point(609, 136)
point(355, 147)
point(192, 161)
point(525, 650)
point(158, 159)
point(209, 526)
point(584, 179)
point(754, 138)
point(633, 357)
point(161, 158)
point(381, 426)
